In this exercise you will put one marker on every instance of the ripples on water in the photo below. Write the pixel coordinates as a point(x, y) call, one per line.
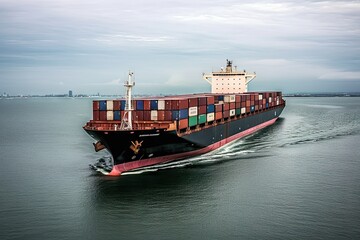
point(297, 179)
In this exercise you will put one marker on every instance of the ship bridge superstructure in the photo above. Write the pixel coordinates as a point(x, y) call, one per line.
point(229, 80)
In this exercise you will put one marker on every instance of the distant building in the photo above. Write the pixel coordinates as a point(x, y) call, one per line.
point(70, 93)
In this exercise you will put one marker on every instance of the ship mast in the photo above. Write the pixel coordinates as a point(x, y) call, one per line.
point(126, 122)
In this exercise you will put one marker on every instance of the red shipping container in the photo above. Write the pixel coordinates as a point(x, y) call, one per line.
point(226, 107)
point(193, 102)
point(161, 115)
point(168, 116)
point(183, 123)
point(232, 105)
point(147, 105)
point(116, 105)
point(201, 110)
point(247, 104)
point(256, 107)
point(238, 105)
point(218, 107)
point(103, 115)
point(210, 100)
point(218, 115)
point(252, 98)
point(183, 104)
point(174, 105)
point(238, 98)
point(256, 97)
point(168, 105)
point(202, 101)
point(252, 103)
point(96, 105)
point(96, 115)
point(247, 109)
point(138, 115)
point(226, 114)
point(147, 115)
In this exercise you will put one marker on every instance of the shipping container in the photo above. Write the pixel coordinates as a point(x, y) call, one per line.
point(147, 105)
point(218, 107)
point(183, 113)
point(161, 104)
point(138, 115)
point(139, 104)
point(252, 108)
point(154, 115)
point(229, 98)
point(109, 105)
point(226, 107)
point(102, 105)
point(202, 110)
point(193, 111)
point(226, 114)
point(202, 101)
point(243, 110)
point(117, 115)
point(237, 98)
point(161, 115)
point(218, 115)
point(168, 115)
point(122, 105)
point(96, 115)
point(168, 105)
point(193, 102)
point(102, 116)
point(210, 117)
point(260, 96)
point(210, 108)
point(96, 105)
point(232, 112)
point(202, 118)
point(210, 100)
point(232, 105)
point(116, 105)
point(183, 123)
point(267, 105)
point(193, 121)
point(237, 111)
point(147, 115)
point(175, 115)
point(153, 104)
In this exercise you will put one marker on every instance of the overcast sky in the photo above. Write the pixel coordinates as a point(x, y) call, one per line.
point(88, 46)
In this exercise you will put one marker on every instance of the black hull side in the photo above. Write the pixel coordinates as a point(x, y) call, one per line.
point(144, 145)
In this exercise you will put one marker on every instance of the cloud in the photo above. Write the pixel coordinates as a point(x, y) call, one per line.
point(341, 75)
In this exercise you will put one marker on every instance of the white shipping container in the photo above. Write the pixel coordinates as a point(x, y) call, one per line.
point(161, 105)
point(229, 98)
point(210, 117)
point(260, 96)
point(270, 99)
point(243, 110)
point(109, 115)
point(232, 112)
point(154, 115)
point(193, 111)
point(277, 102)
point(109, 105)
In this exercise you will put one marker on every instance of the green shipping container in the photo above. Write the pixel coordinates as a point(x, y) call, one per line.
point(202, 118)
point(238, 111)
point(193, 121)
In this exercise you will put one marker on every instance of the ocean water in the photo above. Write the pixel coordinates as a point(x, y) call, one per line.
point(297, 179)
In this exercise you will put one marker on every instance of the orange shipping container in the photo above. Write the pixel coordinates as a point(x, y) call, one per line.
point(183, 123)
point(218, 115)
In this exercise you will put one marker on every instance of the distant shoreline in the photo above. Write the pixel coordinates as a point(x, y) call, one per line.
point(355, 94)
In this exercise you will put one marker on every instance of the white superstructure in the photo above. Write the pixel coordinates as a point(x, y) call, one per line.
point(229, 80)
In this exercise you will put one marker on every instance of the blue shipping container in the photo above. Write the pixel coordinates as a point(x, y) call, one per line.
point(175, 115)
point(183, 113)
point(122, 104)
point(210, 108)
point(103, 105)
point(139, 105)
point(221, 98)
point(267, 105)
point(154, 104)
point(117, 115)
point(252, 108)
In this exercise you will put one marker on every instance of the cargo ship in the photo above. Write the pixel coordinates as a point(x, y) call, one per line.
point(149, 131)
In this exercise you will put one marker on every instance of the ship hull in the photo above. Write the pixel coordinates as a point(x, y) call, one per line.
point(133, 150)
